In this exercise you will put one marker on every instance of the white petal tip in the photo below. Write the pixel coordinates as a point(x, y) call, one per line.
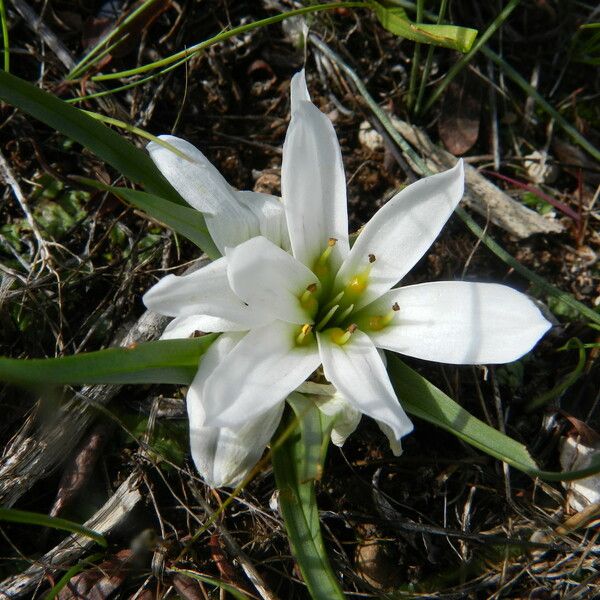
point(299, 90)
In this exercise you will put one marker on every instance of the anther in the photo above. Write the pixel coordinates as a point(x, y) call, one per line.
point(331, 242)
point(372, 258)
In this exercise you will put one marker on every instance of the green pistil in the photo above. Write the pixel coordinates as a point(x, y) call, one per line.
point(327, 317)
point(345, 313)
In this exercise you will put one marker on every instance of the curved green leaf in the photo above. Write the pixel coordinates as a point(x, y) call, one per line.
point(297, 462)
point(126, 158)
point(395, 20)
point(13, 515)
point(424, 400)
point(165, 361)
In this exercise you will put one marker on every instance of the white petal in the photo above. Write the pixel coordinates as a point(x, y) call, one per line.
point(201, 185)
point(262, 370)
point(185, 327)
point(203, 292)
point(270, 215)
point(212, 358)
point(346, 416)
point(224, 456)
point(313, 183)
point(395, 444)
point(298, 90)
point(402, 231)
point(460, 322)
point(357, 372)
point(268, 278)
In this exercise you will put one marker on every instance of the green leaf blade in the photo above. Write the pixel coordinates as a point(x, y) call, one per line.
point(126, 158)
point(165, 361)
point(423, 400)
point(298, 456)
point(25, 517)
point(184, 220)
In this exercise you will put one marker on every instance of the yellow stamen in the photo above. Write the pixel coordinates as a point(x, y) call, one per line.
point(305, 336)
point(339, 336)
point(308, 300)
point(357, 284)
point(321, 268)
point(331, 242)
point(378, 322)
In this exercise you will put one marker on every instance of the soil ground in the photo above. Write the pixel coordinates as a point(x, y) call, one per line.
point(431, 523)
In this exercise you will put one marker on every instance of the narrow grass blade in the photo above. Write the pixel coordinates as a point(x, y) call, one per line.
point(99, 49)
point(537, 280)
point(184, 220)
point(466, 59)
point(296, 463)
point(568, 381)
point(70, 573)
point(225, 35)
point(128, 160)
point(425, 401)
point(226, 587)
point(5, 42)
point(165, 361)
point(136, 131)
point(429, 60)
point(542, 103)
point(12, 515)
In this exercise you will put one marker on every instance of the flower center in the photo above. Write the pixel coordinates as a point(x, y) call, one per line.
point(335, 313)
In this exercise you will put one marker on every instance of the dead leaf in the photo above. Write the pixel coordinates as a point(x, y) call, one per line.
point(373, 561)
point(458, 126)
point(576, 162)
point(187, 588)
point(99, 582)
point(582, 432)
point(575, 455)
point(81, 466)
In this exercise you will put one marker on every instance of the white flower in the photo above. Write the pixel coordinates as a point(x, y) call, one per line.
point(291, 295)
